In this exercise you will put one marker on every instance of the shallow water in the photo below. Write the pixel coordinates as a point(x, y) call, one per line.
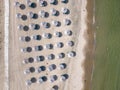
point(106, 74)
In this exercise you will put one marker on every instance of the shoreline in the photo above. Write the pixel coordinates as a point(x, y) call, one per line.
point(89, 47)
point(84, 42)
point(81, 25)
point(82, 38)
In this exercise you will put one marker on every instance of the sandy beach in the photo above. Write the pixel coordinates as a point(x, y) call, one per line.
point(79, 68)
point(2, 75)
point(81, 25)
point(89, 48)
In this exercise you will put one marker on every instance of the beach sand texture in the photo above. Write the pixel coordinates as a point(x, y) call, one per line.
point(79, 72)
point(2, 45)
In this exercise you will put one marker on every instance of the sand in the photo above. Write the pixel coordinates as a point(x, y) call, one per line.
point(79, 68)
point(90, 47)
point(2, 75)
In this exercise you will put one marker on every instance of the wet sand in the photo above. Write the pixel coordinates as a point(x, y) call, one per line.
point(2, 76)
point(89, 50)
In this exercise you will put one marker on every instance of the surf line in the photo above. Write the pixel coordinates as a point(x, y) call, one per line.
point(6, 43)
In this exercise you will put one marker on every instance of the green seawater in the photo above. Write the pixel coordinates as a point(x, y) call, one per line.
point(106, 74)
